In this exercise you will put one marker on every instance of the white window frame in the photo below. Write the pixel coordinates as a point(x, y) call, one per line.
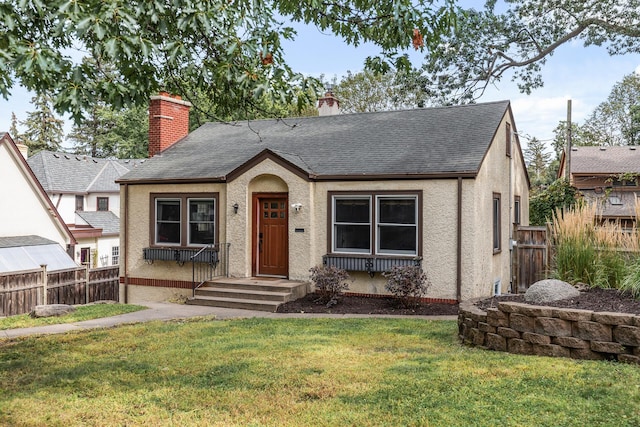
point(334, 224)
point(157, 221)
point(115, 255)
point(190, 221)
point(379, 224)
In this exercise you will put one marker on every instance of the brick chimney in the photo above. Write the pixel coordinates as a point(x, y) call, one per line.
point(328, 105)
point(168, 121)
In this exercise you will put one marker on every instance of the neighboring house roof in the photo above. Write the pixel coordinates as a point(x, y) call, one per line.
point(68, 173)
point(605, 160)
point(106, 220)
point(19, 253)
point(446, 141)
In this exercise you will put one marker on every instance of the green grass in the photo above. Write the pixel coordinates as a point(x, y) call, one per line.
point(301, 372)
point(83, 312)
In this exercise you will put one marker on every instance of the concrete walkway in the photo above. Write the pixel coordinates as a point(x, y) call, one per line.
point(171, 311)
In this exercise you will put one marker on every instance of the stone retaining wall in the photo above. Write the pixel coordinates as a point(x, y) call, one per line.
point(548, 331)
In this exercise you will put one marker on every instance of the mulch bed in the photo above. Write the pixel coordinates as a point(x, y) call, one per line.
point(608, 300)
point(365, 305)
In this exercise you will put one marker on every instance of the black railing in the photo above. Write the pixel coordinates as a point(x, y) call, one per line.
point(206, 264)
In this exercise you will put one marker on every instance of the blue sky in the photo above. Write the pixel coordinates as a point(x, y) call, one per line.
point(584, 75)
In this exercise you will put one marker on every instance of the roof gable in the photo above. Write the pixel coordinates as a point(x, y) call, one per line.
point(446, 141)
point(15, 159)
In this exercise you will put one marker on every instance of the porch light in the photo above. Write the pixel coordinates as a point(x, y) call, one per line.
point(235, 208)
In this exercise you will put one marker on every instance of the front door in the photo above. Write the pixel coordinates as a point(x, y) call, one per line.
point(271, 243)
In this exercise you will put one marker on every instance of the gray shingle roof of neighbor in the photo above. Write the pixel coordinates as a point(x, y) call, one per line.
point(69, 173)
point(445, 140)
point(30, 240)
point(612, 160)
point(106, 220)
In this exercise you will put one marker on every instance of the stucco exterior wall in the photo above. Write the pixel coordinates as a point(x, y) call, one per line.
point(506, 176)
point(28, 214)
point(138, 226)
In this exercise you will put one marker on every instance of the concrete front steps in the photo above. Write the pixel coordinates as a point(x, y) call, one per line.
point(251, 293)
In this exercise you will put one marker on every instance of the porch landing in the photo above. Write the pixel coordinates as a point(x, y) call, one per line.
point(249, 293)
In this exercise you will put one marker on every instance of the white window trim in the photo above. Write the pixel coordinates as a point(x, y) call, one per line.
point(155, 234)
point(378, 224)
point(189, 199)
point(334, 224)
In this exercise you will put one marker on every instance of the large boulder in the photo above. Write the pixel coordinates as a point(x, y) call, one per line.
point(52, 310)
point(549, 290)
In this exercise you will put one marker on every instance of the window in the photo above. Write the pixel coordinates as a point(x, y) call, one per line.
point(79, 203)
point(496, 223)
point(508, 139)
point(381, 224)
point(115, 255)
point(184, 220)
point(103, 204)
point(516, 210)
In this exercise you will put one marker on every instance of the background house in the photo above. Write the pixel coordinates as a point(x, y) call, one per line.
point(84, 191)
point(607, 176)
point(438, 187)
point(32, 232)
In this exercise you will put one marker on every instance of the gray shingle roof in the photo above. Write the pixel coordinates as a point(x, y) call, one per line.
point(68, 173)
point(30, 240)
point(610, 160)
point(447, 140)
point(106, 220)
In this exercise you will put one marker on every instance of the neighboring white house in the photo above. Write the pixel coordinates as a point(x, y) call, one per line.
point(32, 232)
point(436, 187)
point(84, 191)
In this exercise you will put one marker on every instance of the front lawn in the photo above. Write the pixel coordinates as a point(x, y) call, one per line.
point(301, 372)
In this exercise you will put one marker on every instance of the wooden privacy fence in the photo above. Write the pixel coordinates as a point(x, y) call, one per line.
point(21, 291)
point(531, 257)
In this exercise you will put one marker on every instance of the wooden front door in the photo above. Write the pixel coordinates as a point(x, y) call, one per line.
point(271, 243)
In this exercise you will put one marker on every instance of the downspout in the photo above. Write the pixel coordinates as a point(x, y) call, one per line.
point(125, 232)
point(459, 244)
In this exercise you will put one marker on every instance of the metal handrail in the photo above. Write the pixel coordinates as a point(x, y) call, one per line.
point(193, 257)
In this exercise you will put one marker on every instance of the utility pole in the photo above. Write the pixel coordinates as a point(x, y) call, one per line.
point(567, 157)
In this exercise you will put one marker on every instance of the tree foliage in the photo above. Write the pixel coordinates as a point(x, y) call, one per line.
point(230, 50)
point(107, 132)
point(616, 120)
point(537, 160)
point(367, 91)
point(558, 195)
point(43, 128)
point(489, 44)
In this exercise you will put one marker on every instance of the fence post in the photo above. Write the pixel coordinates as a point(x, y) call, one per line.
point(86, 284)
point(44, 284)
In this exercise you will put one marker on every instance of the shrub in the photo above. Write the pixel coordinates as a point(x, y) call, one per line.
point(329, 282)
point(407, 284)
point(631, 282)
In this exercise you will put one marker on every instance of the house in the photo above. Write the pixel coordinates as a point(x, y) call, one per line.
point(32, 233)
point(607, 176)
point(85, 193)
point(437, 187)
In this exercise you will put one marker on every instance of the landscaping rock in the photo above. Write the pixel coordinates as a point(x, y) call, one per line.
point(51, 310)
point(550, 290)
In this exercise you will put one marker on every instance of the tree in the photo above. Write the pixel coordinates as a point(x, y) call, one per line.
point(488, 44)
point(107, 132)
point(43, 129)
point(579, 137)
point(542, 206)
point(367, 91)
point(537, 161)
point(231, 51)
point(13, 129)
point(615, 121)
